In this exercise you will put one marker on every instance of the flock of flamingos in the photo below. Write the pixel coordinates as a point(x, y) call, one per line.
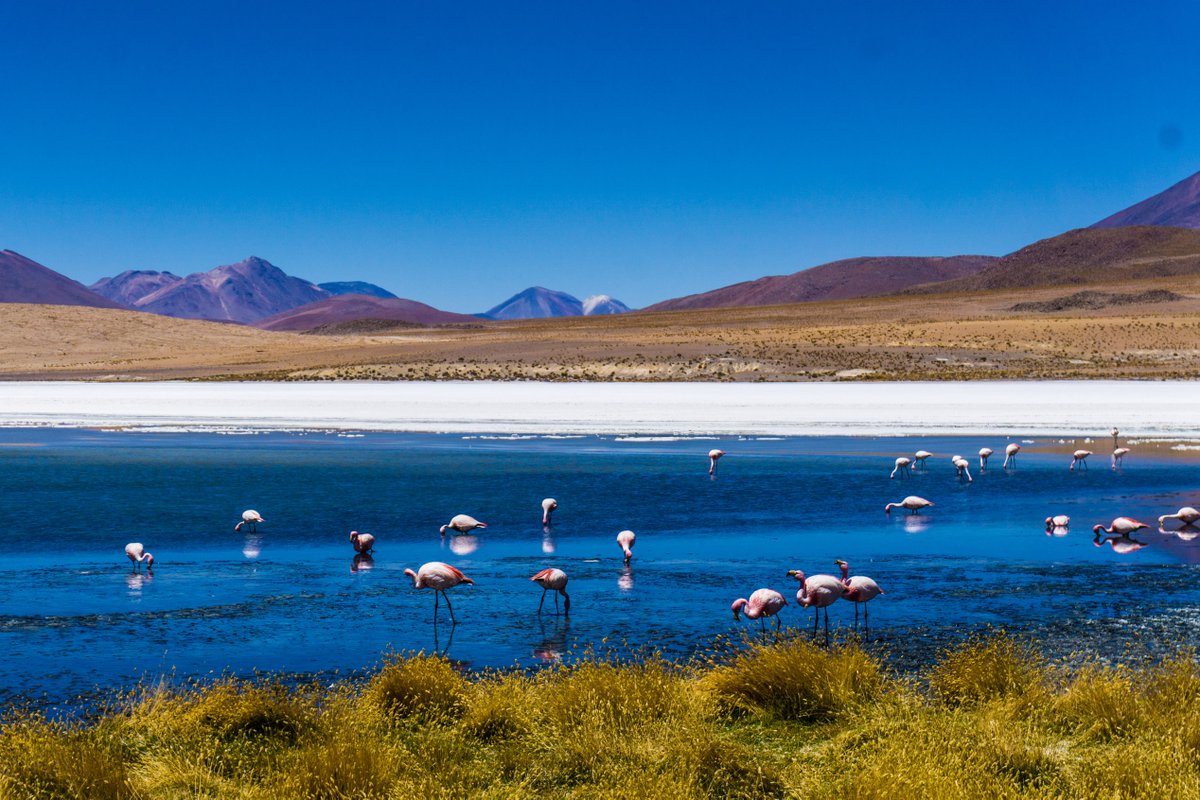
point(816, 591)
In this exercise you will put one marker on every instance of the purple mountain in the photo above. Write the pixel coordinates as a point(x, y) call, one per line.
point(23, 280)
point(244, 292)
point(132, 285)
point(1176, 207)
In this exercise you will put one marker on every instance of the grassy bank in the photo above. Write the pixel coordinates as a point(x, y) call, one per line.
point(779, 719)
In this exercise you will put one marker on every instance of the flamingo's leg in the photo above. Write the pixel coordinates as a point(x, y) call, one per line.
point(541, 601)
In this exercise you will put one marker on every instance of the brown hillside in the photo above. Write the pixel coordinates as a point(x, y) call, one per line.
point(837, 280)
point(346, 308)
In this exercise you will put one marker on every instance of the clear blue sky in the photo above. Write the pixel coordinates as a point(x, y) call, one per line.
point(456, 153)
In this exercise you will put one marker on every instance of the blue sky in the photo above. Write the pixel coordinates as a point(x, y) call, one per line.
point(456, 153)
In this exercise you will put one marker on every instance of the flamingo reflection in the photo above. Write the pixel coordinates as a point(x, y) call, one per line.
point(438, 650)
point(136, 580)
point(463, 545)
point(550, 650)
point(625, 579)
point(915, 524)
point(252, 547)
point(1120, 543)
point(362, 561)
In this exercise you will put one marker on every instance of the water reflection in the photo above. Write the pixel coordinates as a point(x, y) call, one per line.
point(551, 648)
point(915, 524)
point(463, 545)
point(136, 580)
point(252, 547)
point(1058, 530)
point(1185, 534)
point(1120, 543)
point(438, 649)
point(362, 561)
point(548, 545)
point(625, 579)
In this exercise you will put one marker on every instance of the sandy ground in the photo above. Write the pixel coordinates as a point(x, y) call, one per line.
point(908, 338)
point(998, 408)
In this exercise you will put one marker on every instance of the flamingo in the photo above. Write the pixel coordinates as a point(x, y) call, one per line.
point(249, 517)
point(920, 456)
point(626, 539)
point(1057, 521)
point(438, 576)
point(1187, 515)
point(713, 457)
point(1122, 525)
point(363, 542)
point(548, 506)
point(901, 467)
point(1120, 544)
point(861, 590)
point(984, 454)
point(137, 554)
point(817, 592)
point(1010, 454)
point(912, 503)
point(1080, 457)
point(962, 466)
point(1118, 456)
point(462, 523)
point(763, 603)
point(553, 580)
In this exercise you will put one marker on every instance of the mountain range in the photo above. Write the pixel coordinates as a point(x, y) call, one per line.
point(1157, 237)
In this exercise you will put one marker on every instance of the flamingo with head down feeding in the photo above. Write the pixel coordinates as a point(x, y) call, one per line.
point(763, 603)
point(626, 539)
point(137, 554)
point(249, 517)
point(1121, 525)
point(362, 542)
point(438, 576)
point(912, 503)
point(1118, 456)
point(462, 523)
point(548, 507)
point(984, 454)
point(713, 457)
point(920, 457)
point(553, 580)
point(1057, 521)
point(964, 469)
point(902, 465)
point(1079, 457)
point(1010, 454)
point(1187, 515)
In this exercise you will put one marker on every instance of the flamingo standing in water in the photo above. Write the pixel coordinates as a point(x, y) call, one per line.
point(1010, 454)
point(1187, 515)
point(902, 464)
point(626, 539)
point(553, 580)
point(984, 454)
point(912, 503)
point(861, 591)
point(137, 554)
point(763, 603)
point(1122, 525)
point(817, 592)
point(249, 517)
point(548, 506)
point(438, 576)
point(363, 542)
point(920, 457)
point(1057, 521)
point(963, 467)
point(713, 457)
point(1118, 456)
point(1080, 457)
point(462, 523)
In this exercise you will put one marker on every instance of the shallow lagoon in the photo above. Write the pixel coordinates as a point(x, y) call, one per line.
point(74, 616)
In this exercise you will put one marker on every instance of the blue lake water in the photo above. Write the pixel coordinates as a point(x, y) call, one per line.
point(74, 616)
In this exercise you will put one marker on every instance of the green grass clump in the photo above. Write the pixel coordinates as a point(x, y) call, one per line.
point(777, 719)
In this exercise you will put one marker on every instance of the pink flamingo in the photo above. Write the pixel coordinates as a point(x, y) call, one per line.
point(1187, 515)
point(1057, 521)
point(137, 554)
point(984, 454)
point(626, 539)
point(817, 592)
point(249, 517)
point(901, 467)
point(920, 457)
point(1122, 525)
point(763, 603)
point(963, 468)
point(548, 506)
point(1010, 454)
point(553, 580)
point(713, 457)
point(912, 503)
point(363, 542)
point(861, 590)
point(1080, 457)
point(438, 576)
point(1118, 456)
point(462, 523)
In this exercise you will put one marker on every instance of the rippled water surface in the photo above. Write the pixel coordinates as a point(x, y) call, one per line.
point(75, 617)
